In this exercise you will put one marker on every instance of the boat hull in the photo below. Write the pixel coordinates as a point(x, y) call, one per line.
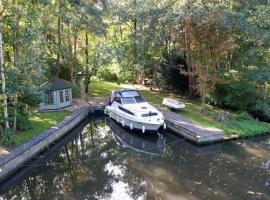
point(132, 124)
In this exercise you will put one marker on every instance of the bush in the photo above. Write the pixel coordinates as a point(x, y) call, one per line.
point(244, 116)
point(23, 117)
point(76, 91)
point(30, 98)
point(108, 73)
point(238, 95)
point(260, 110)
point(8, 137)
point(23, 121)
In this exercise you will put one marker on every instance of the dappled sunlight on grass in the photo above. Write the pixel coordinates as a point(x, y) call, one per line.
point(40, 122)
point(102, 88)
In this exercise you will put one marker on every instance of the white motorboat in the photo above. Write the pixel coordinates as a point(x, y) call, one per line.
point(173, 104)
point(129, 109)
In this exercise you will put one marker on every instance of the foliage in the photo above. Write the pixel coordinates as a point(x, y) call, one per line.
point(260, 110)
point(236, 94)
point(170, 76)
point(23, 119)
point(8, 137)
point(75, 91)
point(218, 51)
point(108, 73)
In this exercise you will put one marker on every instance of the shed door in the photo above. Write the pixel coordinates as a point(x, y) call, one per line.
point(64, 98)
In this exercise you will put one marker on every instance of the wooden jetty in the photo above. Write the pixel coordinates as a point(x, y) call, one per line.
point(177, 123)
point(191, 130)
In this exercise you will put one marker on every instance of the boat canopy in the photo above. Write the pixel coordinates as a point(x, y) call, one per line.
point(125, 94)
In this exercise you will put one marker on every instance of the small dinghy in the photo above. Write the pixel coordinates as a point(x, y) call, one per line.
point(129, 109)
point(173, 104)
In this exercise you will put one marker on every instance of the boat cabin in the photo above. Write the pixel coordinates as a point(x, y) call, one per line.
point(56, 94)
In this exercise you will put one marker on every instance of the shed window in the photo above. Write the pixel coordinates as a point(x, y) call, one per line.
point(61, 93)
point(48, 97)
point(67, 95)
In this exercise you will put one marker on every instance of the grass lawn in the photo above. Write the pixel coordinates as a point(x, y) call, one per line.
point(239, 124)
point(40, 122)
point(102, 88)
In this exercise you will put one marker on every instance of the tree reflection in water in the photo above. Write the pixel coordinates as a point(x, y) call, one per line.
point(105, 161)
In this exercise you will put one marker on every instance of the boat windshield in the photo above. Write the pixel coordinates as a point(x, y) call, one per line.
point(128, 100)
point(131, 93)
point(131, 97)
point(139, 99)
point(132, 100)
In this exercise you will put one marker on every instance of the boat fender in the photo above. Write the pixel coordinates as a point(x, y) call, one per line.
point(143, 129)
point(123, 122)
point(117, 119)
point(164, 126)
point(110, 115)
point(105, 112)
point(131, 126)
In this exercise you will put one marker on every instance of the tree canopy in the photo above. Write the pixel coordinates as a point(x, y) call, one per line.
point(212, 49)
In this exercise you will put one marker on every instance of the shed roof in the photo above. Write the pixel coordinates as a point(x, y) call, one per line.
point(57, 84)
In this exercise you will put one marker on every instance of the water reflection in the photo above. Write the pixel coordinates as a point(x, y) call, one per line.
point(103, 161)
point(152, 144)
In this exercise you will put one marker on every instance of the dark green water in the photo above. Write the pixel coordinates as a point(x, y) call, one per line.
point(104, 161)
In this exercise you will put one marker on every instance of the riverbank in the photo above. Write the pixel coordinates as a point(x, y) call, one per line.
point(238, 125)
point(39, 122)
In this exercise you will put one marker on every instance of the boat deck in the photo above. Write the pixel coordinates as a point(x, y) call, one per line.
point(177, 123)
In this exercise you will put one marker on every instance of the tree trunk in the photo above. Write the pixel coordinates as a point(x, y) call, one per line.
point(87, 70)
point(15, 101)
point(82, 89)
point(188, 59)
point(75, 59)
point(1, 130)
point(15, 97)
point(59, 41)
point(2, 71)
point(70, 55)
point(135, 34)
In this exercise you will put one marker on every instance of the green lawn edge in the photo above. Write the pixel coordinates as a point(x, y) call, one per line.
point(40, 122)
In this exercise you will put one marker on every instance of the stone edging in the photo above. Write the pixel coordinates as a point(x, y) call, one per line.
point(21, 154)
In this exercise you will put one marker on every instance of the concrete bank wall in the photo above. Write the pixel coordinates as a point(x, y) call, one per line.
point(21, 154)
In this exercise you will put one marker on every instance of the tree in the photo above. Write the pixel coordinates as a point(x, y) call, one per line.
point(2, 71)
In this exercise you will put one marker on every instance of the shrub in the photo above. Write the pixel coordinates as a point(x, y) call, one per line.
point(108, 73)
point(260, 110)
point(23, 121)
point(237, 94)
point(76, 91)
point(23, 117)
point(243, 116)
point(8, 137)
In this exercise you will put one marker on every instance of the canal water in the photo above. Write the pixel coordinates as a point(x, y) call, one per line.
point(101, 160)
